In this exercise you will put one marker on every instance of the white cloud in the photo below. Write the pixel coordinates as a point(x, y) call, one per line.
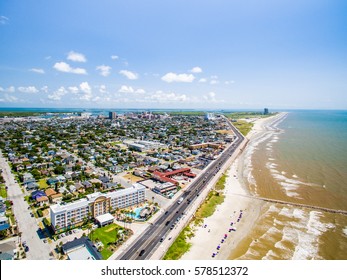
point(229, 82)
point(179, 78)
point(213, 82)
point(214, 77)
point(96, 98)
point(73, 89)
point(4, 20)
point(10, 89)
point(129, 89)
point(58, 94)
point(102, 89)
point(64, 67)
point(37, 70)
point(211, 97)
point(196, 70)
point(30, 89)
point(104, 70)
point(126, 89)
point(202, 80)
point(44, 89)
point(140, 91)
point(10, 98)
point(86, 89)
point(130, 75)
point(163, 97)
point(48, 57)
point(77, 57)
point(114, 57)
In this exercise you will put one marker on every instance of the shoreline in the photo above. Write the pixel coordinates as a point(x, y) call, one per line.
point(208, 236)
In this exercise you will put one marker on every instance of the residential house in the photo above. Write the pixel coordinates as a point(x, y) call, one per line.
point(7, 250)
point(37, 194)
point(42, 200)
point(4, 223)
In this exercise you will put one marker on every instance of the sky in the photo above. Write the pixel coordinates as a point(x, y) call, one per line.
point(220, 54)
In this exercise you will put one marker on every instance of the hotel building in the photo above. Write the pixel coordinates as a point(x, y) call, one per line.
point(96, 204)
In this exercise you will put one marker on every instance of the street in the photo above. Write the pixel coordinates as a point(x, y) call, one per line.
point(27, 225)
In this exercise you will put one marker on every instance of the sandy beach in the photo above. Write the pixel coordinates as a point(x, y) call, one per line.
point(210, 238)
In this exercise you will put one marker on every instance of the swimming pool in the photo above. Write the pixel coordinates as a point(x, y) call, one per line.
point(136, 213)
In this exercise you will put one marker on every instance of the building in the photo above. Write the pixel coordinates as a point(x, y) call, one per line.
point(85, 114)
point(4, 223)
point(266, 111)
point(112, 115)
point(209, 116)
point(165, 177)
point(94, 205)
point(144, 146)
point(7, 250)
point(205, 145)
point(164, 188)
point(81, 249)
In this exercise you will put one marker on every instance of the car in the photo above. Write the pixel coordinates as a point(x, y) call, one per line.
point(172, 227)
point(31, 214)
point(161, 239)
point(26, 249)
point(44, 240)
point(213, 255)
point(218, 247)
point(167, 223)
point(142, 252)
point(166, 212)
point(24, 243)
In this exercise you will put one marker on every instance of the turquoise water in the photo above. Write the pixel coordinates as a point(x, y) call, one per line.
point(136, 214)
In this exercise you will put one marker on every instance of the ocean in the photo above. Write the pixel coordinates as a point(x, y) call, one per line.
point(300, 159)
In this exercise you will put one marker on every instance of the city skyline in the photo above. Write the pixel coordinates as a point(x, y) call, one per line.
point(220, 55)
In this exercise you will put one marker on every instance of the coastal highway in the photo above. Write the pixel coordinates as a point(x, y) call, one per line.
point(144, 245)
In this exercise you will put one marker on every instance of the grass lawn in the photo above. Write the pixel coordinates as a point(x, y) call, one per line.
point(221, 183)
point(209, 206)
point(243, 126)
point(3, 192)
point(106, 235)
point(180, 246)
point(43, 184)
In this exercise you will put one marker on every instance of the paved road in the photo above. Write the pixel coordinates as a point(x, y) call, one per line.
point(145, 245)
point(26, 224)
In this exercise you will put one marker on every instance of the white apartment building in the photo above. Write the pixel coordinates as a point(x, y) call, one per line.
point(96, 204)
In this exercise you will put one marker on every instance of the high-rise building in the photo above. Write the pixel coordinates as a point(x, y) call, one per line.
point(266, 111)
point(209, 116)
point(112, 115)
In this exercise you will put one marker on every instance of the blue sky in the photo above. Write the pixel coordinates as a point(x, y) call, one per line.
point(174, 54)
